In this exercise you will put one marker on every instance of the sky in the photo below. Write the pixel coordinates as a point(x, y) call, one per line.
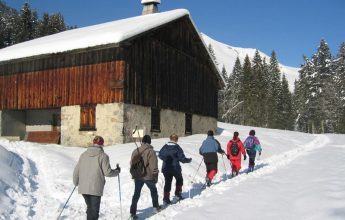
point(298, 176)
point(292, 28)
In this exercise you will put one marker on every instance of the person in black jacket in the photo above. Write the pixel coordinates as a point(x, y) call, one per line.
point(172, 154)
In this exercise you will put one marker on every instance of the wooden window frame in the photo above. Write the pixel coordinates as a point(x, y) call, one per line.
point(188, 123)
point(155, 120)
point(87, 118)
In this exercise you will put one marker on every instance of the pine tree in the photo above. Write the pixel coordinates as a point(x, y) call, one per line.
point(213, 55)
point(259, 92)
point(339, 68)
point(27, 25)
point(246, 92)
point(285, 106)
point(8, 20)
point(274, 87)
point(232, 95)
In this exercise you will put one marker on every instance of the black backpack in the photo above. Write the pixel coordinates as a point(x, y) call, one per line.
point(138, 168)
point(234, 149)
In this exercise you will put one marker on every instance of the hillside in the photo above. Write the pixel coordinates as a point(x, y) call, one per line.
point(226, 55)
point(298, 176)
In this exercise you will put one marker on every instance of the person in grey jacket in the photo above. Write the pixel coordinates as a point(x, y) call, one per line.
point(89, 175)
point(150, 179)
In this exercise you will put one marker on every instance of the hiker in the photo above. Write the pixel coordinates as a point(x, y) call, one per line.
point(252, 145)
point(89, 173)
point(172, 154)
point(234, 149)
point(209, 149)
point(150, 178)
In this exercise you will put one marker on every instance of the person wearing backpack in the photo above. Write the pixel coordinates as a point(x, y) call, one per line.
point(172, 154)
point(209, 149)
point(234, 149)
point(252, 145)
point(150, 176)
point(89, 175)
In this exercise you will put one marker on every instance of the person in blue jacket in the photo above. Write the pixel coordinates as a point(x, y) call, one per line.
point(209, 149)
point(172, 154)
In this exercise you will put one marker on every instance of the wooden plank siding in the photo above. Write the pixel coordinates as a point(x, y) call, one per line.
point(170, 68)
point(76, 85)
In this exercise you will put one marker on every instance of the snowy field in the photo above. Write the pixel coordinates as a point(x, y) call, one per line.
point(299, 176)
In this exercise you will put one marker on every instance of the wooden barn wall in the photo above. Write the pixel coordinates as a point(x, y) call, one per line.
point(170, 69)
point(77, 81)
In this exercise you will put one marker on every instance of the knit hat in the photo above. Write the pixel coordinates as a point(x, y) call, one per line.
point(236, 134)
point(98, 140)
point(146, 139)
point(210, 133)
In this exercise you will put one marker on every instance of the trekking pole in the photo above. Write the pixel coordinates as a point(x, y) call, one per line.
point(118, 176)
point(226, 173)
point(66, 202)
point(197, 170)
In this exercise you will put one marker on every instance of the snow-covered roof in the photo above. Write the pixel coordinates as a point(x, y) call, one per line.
point(96, 35)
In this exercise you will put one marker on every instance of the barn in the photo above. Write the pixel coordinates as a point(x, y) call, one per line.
point(152, 72)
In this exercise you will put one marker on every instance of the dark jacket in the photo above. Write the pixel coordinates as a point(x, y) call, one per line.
point(150, 160)
point(172, 154)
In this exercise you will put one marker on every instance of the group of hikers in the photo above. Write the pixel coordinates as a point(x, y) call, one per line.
point(93, 165)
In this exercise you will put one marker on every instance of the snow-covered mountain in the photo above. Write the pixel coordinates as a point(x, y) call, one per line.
point(226, 56)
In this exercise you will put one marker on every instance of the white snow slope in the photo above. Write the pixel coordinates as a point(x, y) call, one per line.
point(299, 176)
point(226, 56)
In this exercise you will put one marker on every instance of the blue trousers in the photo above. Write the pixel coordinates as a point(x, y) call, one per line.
point(139, 183)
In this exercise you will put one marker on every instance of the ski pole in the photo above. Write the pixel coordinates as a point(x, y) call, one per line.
point(224, 167)
point(118, 176)
point(197, 170)
point(66, 202)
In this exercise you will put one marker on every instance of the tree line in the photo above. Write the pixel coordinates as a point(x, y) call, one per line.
point(257, 93)
point(16, 27)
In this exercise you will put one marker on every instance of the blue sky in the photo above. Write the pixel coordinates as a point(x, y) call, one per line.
point(290, 27)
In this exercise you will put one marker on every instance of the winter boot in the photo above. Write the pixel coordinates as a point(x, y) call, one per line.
point(178, 196)
point(133, 217)
point(157, 209)
point(166, 198)
point(208, 182)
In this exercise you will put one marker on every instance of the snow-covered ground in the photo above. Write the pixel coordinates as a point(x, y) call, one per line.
point(299, 176)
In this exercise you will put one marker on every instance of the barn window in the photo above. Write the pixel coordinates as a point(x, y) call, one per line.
point(88, 118)
point(155, 119)
point(188, 126)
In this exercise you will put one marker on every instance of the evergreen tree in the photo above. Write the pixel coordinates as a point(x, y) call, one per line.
point(213, 55)
point(339, 68)
point(259, 92)
point(274, 87)
point(232, 95)
point(27, 24)
point(285, 106)
point(8, 20)
point(246, 93)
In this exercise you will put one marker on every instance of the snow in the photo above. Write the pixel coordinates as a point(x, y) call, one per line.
point(96, 35)
point(298, 176)
point(226, 56)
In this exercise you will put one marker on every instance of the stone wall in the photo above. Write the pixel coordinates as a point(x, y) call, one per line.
point(109, 124)
point(171, 122)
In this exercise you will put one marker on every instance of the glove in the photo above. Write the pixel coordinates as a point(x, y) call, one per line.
point(189, 160)
point(118, 168)
point(245, 157)
point(227, 156)
point(260, 153)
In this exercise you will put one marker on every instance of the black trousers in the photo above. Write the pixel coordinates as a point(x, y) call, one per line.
point(168, 180)
point(93, 203)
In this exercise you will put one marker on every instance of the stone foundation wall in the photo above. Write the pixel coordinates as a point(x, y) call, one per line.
point(171, 122)
point(109, 123)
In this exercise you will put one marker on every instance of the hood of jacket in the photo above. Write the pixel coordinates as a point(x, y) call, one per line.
point(94, 150)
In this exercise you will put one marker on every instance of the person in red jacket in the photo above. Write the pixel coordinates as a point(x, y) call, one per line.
point(234, 149)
